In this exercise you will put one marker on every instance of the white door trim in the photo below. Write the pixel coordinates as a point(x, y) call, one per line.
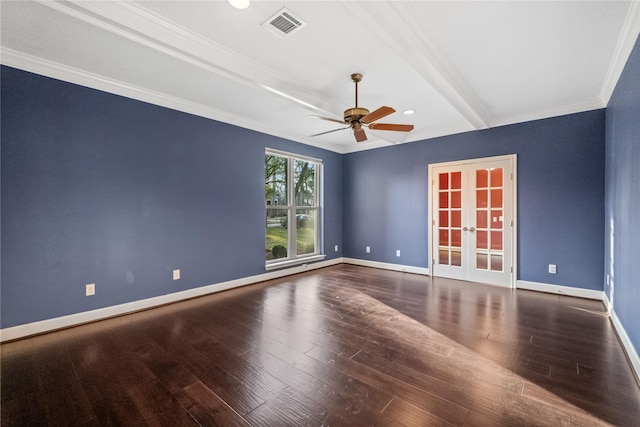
point(514, 235)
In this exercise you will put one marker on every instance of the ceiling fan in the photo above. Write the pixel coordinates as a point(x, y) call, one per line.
point(358, 118)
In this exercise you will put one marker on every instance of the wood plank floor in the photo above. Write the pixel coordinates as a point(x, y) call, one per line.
point(340, 346)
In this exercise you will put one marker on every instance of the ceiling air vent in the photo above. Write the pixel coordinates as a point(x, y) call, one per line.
point(283, 23)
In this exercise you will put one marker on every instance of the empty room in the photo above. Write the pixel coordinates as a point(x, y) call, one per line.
point(319, 213)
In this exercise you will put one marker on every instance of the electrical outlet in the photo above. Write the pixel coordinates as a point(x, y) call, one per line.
point(398, 252)
point(336, 248)
point(368, 249)
point(176, 274)
point(552, 268)
point(90, 289)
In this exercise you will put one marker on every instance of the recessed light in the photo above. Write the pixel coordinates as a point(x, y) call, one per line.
point(239, 4)
point(408, 112)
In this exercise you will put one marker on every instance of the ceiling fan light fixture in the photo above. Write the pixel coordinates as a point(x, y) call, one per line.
point(409, 112)
point(239, 4)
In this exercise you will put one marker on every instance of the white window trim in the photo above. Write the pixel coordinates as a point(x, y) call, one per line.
point(291, 208)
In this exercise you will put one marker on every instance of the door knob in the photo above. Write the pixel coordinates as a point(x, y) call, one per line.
point(465, 229)
point(472, 229)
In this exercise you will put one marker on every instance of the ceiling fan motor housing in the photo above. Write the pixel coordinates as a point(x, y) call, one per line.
point(354, 114)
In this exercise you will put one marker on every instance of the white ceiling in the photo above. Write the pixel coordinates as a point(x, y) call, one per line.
point(460, 65)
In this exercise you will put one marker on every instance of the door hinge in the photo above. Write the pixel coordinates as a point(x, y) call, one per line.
point(512, 176)
point(512, 223)
point(511, 269)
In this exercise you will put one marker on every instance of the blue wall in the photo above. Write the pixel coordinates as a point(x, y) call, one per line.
point(101, 188)
point(560, 189)
point(622, 232)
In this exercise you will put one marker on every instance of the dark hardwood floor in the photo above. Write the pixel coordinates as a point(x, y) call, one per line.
point(340, 346)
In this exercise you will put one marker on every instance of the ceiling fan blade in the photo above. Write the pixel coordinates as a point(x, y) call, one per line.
point(391, 126)
point(377, 114)
point(328, 119)
point(329, 131)
point(360, 135)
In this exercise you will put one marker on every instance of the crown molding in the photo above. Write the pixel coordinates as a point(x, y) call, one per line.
point(136, 23)
point(33, 64)
point(593, 104)
point(626, 41)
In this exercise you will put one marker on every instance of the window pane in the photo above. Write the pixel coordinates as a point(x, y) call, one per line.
point(305, 231)
point(275, 180)
point(277, 234)
point(304, 181)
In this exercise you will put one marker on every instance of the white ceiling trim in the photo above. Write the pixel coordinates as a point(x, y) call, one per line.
point(407, 34)
point(593, 104)
point(627, 40)
point(73, 75)
point(146, 28)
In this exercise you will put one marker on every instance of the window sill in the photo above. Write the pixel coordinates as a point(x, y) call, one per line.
point(292, 262)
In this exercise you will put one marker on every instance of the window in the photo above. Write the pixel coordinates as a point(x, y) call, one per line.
point(292, 209)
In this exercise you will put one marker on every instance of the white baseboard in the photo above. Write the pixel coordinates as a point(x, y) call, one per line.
point(387, 266)
point(629, 348)
point(561, 290)
point(21, 331)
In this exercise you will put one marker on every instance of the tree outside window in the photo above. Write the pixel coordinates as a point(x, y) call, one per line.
point(291, 203)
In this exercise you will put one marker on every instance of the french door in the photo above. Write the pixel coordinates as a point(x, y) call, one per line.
point(472, 218)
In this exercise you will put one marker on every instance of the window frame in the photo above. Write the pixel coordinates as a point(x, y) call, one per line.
point(293, 258)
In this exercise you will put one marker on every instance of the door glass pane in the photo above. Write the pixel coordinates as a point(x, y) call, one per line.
point(443, 218)
point(444, 199)
point(481, 219)
point(482, 198)
point(496, 220)
point(443, 256)
point(481, 240)
point(496, 262)
point(456, 258)
point(496, 177)
point(496, 198)
point(444, 181)
point(456, 218)
point(277, 234)
point(456, 238)
point(482, 178)
point(496, 240)
point(456, 199)
point(456, 180)
point(444, 237)
point(482, 261)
